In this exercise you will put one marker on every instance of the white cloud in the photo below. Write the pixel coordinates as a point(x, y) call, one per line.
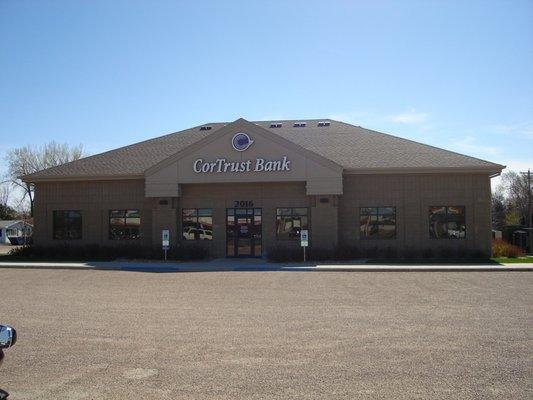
point(411, 117)
point(524, 129)
point(468, 144)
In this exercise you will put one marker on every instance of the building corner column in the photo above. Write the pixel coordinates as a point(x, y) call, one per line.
point(324, 221)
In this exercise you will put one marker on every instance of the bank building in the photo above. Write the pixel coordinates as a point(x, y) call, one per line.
point(242, 187)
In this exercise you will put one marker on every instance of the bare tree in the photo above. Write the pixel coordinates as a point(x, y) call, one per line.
point(498, 209)
point(6, 212)
point(28, 160)
point(516, 190)
point(4, 194)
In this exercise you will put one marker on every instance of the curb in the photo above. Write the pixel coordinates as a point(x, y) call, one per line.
point(269, 268)
point(414, 269)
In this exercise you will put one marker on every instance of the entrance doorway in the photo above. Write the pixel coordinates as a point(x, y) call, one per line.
point(243, 232)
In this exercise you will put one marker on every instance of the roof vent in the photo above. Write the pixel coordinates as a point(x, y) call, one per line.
point(300, 124)
point(275, 125)
point(323, 123)
point(205, 128)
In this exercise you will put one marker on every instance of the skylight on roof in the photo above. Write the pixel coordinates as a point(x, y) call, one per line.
point(323, 123)
point(205, 128)
point(275, 125)
point(300, 124)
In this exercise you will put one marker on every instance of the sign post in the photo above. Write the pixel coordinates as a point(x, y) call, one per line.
point(165, 239)
point(304, 240)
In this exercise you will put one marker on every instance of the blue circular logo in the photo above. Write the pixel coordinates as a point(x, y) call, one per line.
point(241, 141)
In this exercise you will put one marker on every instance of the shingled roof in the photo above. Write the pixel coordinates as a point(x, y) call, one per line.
point(352, 147)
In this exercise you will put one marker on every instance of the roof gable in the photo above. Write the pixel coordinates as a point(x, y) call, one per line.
point(244, 125)
point(10, 223)
point(268, 157)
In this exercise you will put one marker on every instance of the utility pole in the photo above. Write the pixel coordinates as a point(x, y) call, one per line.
point(528, 173)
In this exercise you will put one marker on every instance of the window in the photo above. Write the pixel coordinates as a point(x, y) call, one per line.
point(290, 221)
point(67, 224)
point(13, 232)
point(197, 223)
point(447, 222)
point(377, 222)
point(124, 224)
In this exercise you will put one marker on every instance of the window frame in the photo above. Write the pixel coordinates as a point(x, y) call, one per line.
point(378, 237)
point(125, 218)
point(197, 215)
point(54, 236)
point(448, 237)
point(292, 215)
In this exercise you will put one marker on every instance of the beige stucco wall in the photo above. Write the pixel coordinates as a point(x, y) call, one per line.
point(95, 199)
point(331, 222)
point(412, 195)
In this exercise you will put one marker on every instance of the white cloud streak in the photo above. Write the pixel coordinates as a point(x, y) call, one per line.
point(411, 117)
point(469, 144)
point(523, 129)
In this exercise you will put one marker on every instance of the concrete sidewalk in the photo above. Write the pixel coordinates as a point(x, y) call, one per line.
point(258, 265)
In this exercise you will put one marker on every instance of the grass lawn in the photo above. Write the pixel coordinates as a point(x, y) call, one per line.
point(518, 260)
point(447, 261)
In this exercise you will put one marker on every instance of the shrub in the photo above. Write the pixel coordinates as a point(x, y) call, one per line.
point(389, 252)
point(370, 252)
point(66, 251)
point(320, 254)
point(462, 252)
point(446, 252)
point(283, 253)
point(189, 252)
point(409, 252)
point(347, 253)
point(428, 253)
point(286, 253)
point(500, 248)
point(478, 254)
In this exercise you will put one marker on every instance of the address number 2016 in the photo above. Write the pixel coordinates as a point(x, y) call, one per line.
point(243, 203)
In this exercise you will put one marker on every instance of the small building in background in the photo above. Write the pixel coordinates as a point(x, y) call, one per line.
point(497, 234)
point(520, 236)
point(16, 232)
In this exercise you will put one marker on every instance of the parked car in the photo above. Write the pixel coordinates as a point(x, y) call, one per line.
point(191, 233)
point(8, 337)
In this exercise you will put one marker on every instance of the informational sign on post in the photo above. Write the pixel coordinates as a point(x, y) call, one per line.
point(165, 240)
point(304, 240)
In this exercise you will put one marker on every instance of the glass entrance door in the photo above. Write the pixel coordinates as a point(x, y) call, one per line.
point(243, 232)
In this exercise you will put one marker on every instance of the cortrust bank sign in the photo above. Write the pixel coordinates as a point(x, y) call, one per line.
point(240, 142)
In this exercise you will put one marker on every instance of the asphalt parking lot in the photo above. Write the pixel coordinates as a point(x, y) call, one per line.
point(268, 335)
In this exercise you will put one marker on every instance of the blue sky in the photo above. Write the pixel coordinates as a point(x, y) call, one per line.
point(454, 74)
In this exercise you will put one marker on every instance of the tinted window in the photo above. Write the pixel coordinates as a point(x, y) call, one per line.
point(447, 222)
point(197, 223)
point(124, 224)
point(290, 221)
point(377, 222)
point(67, 224)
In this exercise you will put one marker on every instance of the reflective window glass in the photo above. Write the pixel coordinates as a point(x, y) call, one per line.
point(67, 225)
point(377, 222)
point(124, 224)
point(447, 222)
point(197, 223)
point(290, 222)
